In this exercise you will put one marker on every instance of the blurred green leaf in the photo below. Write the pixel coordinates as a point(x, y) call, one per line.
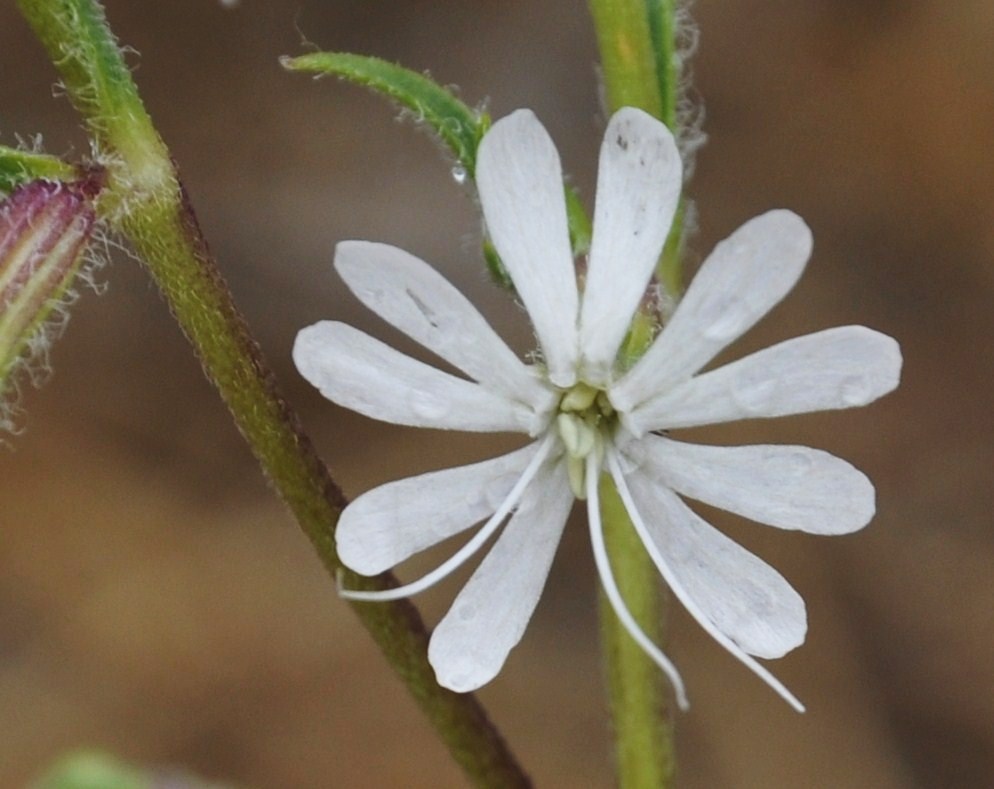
point(92, 770)
point(96, 770)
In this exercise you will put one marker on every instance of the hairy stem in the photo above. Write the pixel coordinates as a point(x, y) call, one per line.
point(144, 199)
point(637, 43)
point(628, 58)
point(636, 39)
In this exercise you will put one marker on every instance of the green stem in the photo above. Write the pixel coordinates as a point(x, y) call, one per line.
point(628, 58)
point(637, 42)
point(662, 30)
point(637, 688)
point(148, 204)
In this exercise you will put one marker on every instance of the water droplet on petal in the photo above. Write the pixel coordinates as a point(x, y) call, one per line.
point(753, 390)
point(459, 674)
point(427, 406)
point(372, 296)
point(854, 390)
point(724, 328)
point(459, 174)
point(497, 490)
point(626, 461)
point(485, 500)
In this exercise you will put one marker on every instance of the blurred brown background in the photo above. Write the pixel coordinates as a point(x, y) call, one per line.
point(157, 601)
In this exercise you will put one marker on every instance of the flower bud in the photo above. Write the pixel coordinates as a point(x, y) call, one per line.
point(44, 228)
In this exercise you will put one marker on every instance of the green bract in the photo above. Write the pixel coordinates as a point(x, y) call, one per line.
point(457, 125)
point(18, 167)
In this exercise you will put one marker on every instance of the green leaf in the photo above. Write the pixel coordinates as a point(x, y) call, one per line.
point(18, 167)
point(459, 126)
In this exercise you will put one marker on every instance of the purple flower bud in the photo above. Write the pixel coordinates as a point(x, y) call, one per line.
point(44, 228)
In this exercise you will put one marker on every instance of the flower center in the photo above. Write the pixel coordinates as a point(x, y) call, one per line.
point(586, 420)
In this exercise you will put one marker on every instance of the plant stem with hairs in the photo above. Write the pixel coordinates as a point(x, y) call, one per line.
point(144, 200)
point(637, 42)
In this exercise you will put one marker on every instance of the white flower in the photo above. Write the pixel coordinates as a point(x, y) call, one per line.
point(587, 415)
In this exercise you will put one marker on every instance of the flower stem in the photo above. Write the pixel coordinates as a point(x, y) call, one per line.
point(638, 689)
point(628, 57)
point(663, 30)
point(637, 40)
point(145, 200)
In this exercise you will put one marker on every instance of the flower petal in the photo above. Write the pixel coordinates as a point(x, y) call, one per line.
point(790, 487)
point(520, 181)
point(413, 297)
point(489, 616)
point(638, 188)
point(745, 276)
point(740, 594)
point(613, 594)
point(361, 373)
point(471, 546)
point(843, 367)
point(739, 600)
point(391, 523)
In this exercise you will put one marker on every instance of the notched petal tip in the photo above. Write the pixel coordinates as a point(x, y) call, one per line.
point(460, 673)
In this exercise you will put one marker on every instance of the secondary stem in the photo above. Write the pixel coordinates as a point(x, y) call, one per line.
point(637, 43)
point(637, 689)
point(636, 40)
point(147, 203)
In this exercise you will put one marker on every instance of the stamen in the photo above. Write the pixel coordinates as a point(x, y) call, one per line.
point(604, 404)
point(613, 593)
point(578, 436)
point(579, 398)
point(577, 477)
point(459, 557)
point(683, 596)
